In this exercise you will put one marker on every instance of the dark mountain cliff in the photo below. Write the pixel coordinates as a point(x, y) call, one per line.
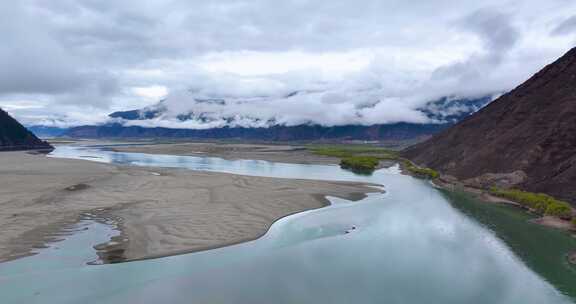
point(13, 136)
point(530, 131)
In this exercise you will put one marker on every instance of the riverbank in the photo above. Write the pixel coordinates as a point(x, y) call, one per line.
point(546, 251)
point(485, 196)
point(158, 211)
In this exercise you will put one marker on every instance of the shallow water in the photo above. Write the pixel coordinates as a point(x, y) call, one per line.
point(73, 252)
point(410, 246)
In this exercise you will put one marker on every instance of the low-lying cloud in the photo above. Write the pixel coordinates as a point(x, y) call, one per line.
point(375, 95)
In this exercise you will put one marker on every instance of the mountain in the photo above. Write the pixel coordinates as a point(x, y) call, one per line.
point(13, 136)
point(442, 113)
point(526, 137)
point(444, 110)
point(399, 131)
point(47, 132)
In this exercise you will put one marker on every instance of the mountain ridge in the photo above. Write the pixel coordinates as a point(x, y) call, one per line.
point(14, 136)
point(442, 113)
point(529, 131)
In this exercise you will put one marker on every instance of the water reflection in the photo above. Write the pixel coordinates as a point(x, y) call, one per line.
point(410, 246)
point(214, 164)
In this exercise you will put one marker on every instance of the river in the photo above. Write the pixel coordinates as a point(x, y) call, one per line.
point(410, 245)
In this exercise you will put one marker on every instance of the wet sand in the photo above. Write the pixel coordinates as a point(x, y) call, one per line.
point(554, 222)
point(159, 211)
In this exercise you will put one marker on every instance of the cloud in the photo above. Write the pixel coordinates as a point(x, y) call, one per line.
point(567, 26)
point(74, 56)
point(241, 101)
point(31, 61)
point(498, 36)
point(378, 93)
point(494, 28)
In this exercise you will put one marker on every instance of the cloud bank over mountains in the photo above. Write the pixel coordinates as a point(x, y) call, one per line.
point(71, 62)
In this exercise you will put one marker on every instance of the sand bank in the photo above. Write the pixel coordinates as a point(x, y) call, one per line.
point(159, 211)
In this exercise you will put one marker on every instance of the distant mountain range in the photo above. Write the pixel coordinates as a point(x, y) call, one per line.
point(442, 113)
point(527, 136)
point(47, 132)
point(13, 136)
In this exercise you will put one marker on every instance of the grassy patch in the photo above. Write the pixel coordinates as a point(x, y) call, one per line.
point(364, 159)
point(343, 151)
point(539, 202)
point(420, 171)
point(423, 172)
point(360, 164)
point(331, 152)
point(357, 158)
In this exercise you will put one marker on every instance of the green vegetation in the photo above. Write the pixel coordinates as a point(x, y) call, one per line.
point(357, 158)
point(560, 209)
point(574, 223)
point(539, 202)
point(343, 151)
point(360, 164)
point(364, 159)
point(421, 172)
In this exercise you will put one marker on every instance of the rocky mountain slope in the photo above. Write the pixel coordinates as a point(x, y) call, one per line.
point(442, 113)
point(13, 136)
point(527, 137)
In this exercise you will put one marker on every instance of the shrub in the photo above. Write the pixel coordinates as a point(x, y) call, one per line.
point(539, 202)
point(559, 209)
point(528, 199)
point(421, 172)
point(359, 164)
point(344, 151)
point(541, 207)
point(574, 223)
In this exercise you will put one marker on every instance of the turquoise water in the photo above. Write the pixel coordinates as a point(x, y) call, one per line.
point(410, 246)
point(543, 249)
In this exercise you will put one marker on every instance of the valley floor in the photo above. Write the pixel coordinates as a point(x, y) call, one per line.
point(158, 211)
point(276, 153)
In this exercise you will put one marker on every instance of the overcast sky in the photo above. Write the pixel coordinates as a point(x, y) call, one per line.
point(74, 61)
